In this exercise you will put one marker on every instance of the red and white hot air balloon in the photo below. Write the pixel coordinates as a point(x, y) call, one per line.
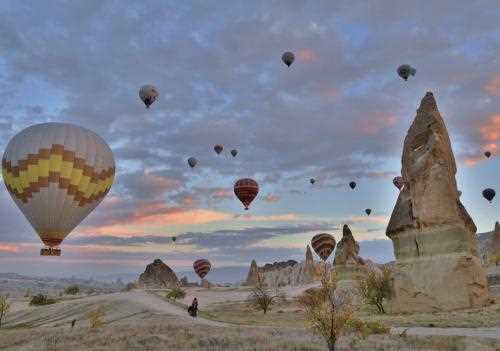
point(202, 267)
point(246, 190)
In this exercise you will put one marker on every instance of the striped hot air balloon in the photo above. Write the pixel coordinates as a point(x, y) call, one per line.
point(246, 190)
point(323, 244)
point(202, 267)
point(57, 173)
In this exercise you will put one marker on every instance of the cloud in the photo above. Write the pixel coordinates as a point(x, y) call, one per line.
point(271, 198)
point(493, 85)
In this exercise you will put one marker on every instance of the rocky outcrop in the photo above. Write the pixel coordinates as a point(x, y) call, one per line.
point(285, 273)
point(347, 251)
point(495, 246)
point(157, 276)
point(437, 260)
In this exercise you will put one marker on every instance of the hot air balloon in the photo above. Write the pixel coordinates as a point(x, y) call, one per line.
point(218, 148)
point(148, 94)
point(57, 173)
point(323, 244)
point(246, 190)
point(312, 180)
point(192, 162)
point(368, 211)
point(202, 267)
point(174, 239)
point(487, 154)
point(234, 152)
point(352, 185)
point(489, 194)
point(398, 182)
point(288, 58)
point(404, 71)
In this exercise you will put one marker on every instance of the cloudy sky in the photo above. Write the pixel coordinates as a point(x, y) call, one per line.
point(339, 113)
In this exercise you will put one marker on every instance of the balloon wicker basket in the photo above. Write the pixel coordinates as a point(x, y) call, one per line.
point(50, 251)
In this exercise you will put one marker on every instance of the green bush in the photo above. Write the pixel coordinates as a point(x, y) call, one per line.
point(364, 329)
point(72, 290)
point(176, 293)
point(41, 299)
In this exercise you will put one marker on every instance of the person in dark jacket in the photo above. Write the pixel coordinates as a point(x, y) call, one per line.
point(193, 309)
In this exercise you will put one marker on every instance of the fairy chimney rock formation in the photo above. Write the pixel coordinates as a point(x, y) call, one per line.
point(495, 247)
point(158, 275)
point(437, 260)
point(253, 274)
point(347, 251)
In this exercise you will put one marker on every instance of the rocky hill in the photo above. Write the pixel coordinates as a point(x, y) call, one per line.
point(157, 276)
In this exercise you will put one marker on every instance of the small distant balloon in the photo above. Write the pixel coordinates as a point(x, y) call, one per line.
point(489, 194)
point(352, 185)
point(404, 71)
point(174, 239)
point(192, 162)
point(487, 154)
point(288, 58)
point(368, 211)
point(234, 152)
point(398, 182)
point(312, 180)
point(218, 148)
point(148, 94)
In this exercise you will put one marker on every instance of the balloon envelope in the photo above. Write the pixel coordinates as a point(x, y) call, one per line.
point(368, 211)
point(218, 148)
point(489, 194)
point(352, 185)
point(202, 267)
point(57, 173)
point(148, 94)
point(404, 71)
point(192, 162)
point(312, 180)
point(398, 182)
point(234, 152)
point(246, 190)
point(174, 239)
point(487, 154)
point(323, 244)
point(288, 58)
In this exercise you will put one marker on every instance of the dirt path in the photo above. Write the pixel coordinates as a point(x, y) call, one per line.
point(490, 333)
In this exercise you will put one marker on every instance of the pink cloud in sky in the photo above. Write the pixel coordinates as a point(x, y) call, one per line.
point(489, 132)
point(493, 86)
point(11, 248)
point(376, 123)
point(307, 55)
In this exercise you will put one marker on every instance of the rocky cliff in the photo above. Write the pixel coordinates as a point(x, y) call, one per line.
point(437, 259)
point(285, 273)
point(158, 275)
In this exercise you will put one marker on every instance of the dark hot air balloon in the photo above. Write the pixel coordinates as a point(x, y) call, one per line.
point(312, 180)
point(192, 162)
point(323, 244)
point(404, 71)
point(288, 58)
point(368, 211)
point(487, 154)
point(352, 185)
point(246, 190)
point(398, 182)
point(489, 194)
point(174, 239)
point(202, 267)
point(234, 152)
point(218, 148)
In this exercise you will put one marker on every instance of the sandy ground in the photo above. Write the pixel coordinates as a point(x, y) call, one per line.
point(208, 297)
point(490, 333)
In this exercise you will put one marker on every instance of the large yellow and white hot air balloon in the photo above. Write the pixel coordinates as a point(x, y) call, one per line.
point(57, 174)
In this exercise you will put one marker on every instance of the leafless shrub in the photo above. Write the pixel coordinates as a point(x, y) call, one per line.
point(327, 312)
point(4, 308)
point(50, 343)
point(375, 287)
point(262, 298)
point(96, 317)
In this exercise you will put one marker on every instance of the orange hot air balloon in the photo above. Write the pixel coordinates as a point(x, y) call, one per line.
point(246, 190)
point(202, 267)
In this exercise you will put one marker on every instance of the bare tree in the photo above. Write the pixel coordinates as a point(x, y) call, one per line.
point(375, 287)
point(328, 313)
point(262, 297)
point(4, 308)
